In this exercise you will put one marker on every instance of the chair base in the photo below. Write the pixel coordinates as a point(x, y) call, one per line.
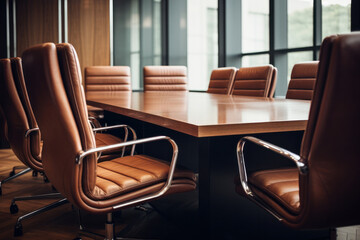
point(13, 175)
point(109, 229)
point(18, 229)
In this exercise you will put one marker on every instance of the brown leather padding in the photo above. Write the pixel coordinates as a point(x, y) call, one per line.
point(18, 114)
point(107, 78)
point(329, 192)
point(221, 80)
point(273, 82)
point(59, 105)
point(302, 82)
point(280, 184)
point(165, 78)
point(255, 81)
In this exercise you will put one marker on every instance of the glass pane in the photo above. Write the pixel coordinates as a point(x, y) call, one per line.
point(335, 17)
point(157, 32)
point(135, 45)
point(135, 33)
point(300, 23)
point(255, 60)
point(255, 25)
point(202, 55)
point(297, 57)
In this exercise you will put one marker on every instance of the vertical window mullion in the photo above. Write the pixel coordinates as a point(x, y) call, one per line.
point(278, 34)
point(317, 29)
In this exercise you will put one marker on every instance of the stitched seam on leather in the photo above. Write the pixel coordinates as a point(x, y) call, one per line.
point(274, 170)
point(118, 173)
point(279, 181)
point(137, 168)
point(278, 199)
point(111, 170)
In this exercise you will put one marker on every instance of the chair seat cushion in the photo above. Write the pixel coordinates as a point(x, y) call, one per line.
point(280, 185)
point(132, 173)
point(105, 139)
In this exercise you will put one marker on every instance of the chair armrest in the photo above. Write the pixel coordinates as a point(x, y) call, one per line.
point(94, 122)
point(29, 131)
point(167, 185)
point(241, 162)
point(126, 129)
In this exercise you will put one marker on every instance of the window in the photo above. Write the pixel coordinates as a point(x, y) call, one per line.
point(255, 60)
point(137, 36)
point(335, 16)
point(255, 25)
point(300, 23)
point(202, 31)
point(288, 32)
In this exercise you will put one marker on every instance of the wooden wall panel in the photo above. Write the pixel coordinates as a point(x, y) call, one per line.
point(36, 22)
point(89, 31)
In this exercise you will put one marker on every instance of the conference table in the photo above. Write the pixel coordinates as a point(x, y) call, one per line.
point(206, 128)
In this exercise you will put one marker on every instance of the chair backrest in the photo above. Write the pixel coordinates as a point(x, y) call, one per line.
point(302, 82)
point(53, 76)
point(253, 81)
point(107, 78)
point(18, 114)
point(221, 80)
point(165, 78)
point(330, 192)
point(273, 81)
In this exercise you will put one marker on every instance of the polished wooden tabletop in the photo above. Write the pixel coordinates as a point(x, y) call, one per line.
point(204, 115)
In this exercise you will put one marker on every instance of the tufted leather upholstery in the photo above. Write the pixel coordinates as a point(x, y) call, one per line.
point(165, 78)
point(18, 114)
point(273, 81)
point(328, 195)
point(257, 81)
point(221, 80)
point(302, 82)
point(280, 184)
point(107, 78)
point(58, 100)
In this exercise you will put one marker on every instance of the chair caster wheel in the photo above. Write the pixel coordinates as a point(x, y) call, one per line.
point(34, 173)
point(12, 173)
point(14, 208)
point(18, 231)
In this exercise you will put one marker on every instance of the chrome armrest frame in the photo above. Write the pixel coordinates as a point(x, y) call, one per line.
point(126, 129)
point(168, 182)
point(93, 121)
point(242, 168)
point(29, 131)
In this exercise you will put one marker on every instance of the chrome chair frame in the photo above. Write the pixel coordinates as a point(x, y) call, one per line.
point(109, 225)
point(302, 167)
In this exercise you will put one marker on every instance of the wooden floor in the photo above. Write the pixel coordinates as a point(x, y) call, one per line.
point(62, 222)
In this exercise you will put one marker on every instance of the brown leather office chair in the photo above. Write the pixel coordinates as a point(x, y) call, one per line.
point(106, 79)
point(302, 82)
point(323, 190)
point(273, 81)
point(221, 80)
point(165, 78)
point(22, 131)
point(24, 134)
point(70, 153)
point(257, 81)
